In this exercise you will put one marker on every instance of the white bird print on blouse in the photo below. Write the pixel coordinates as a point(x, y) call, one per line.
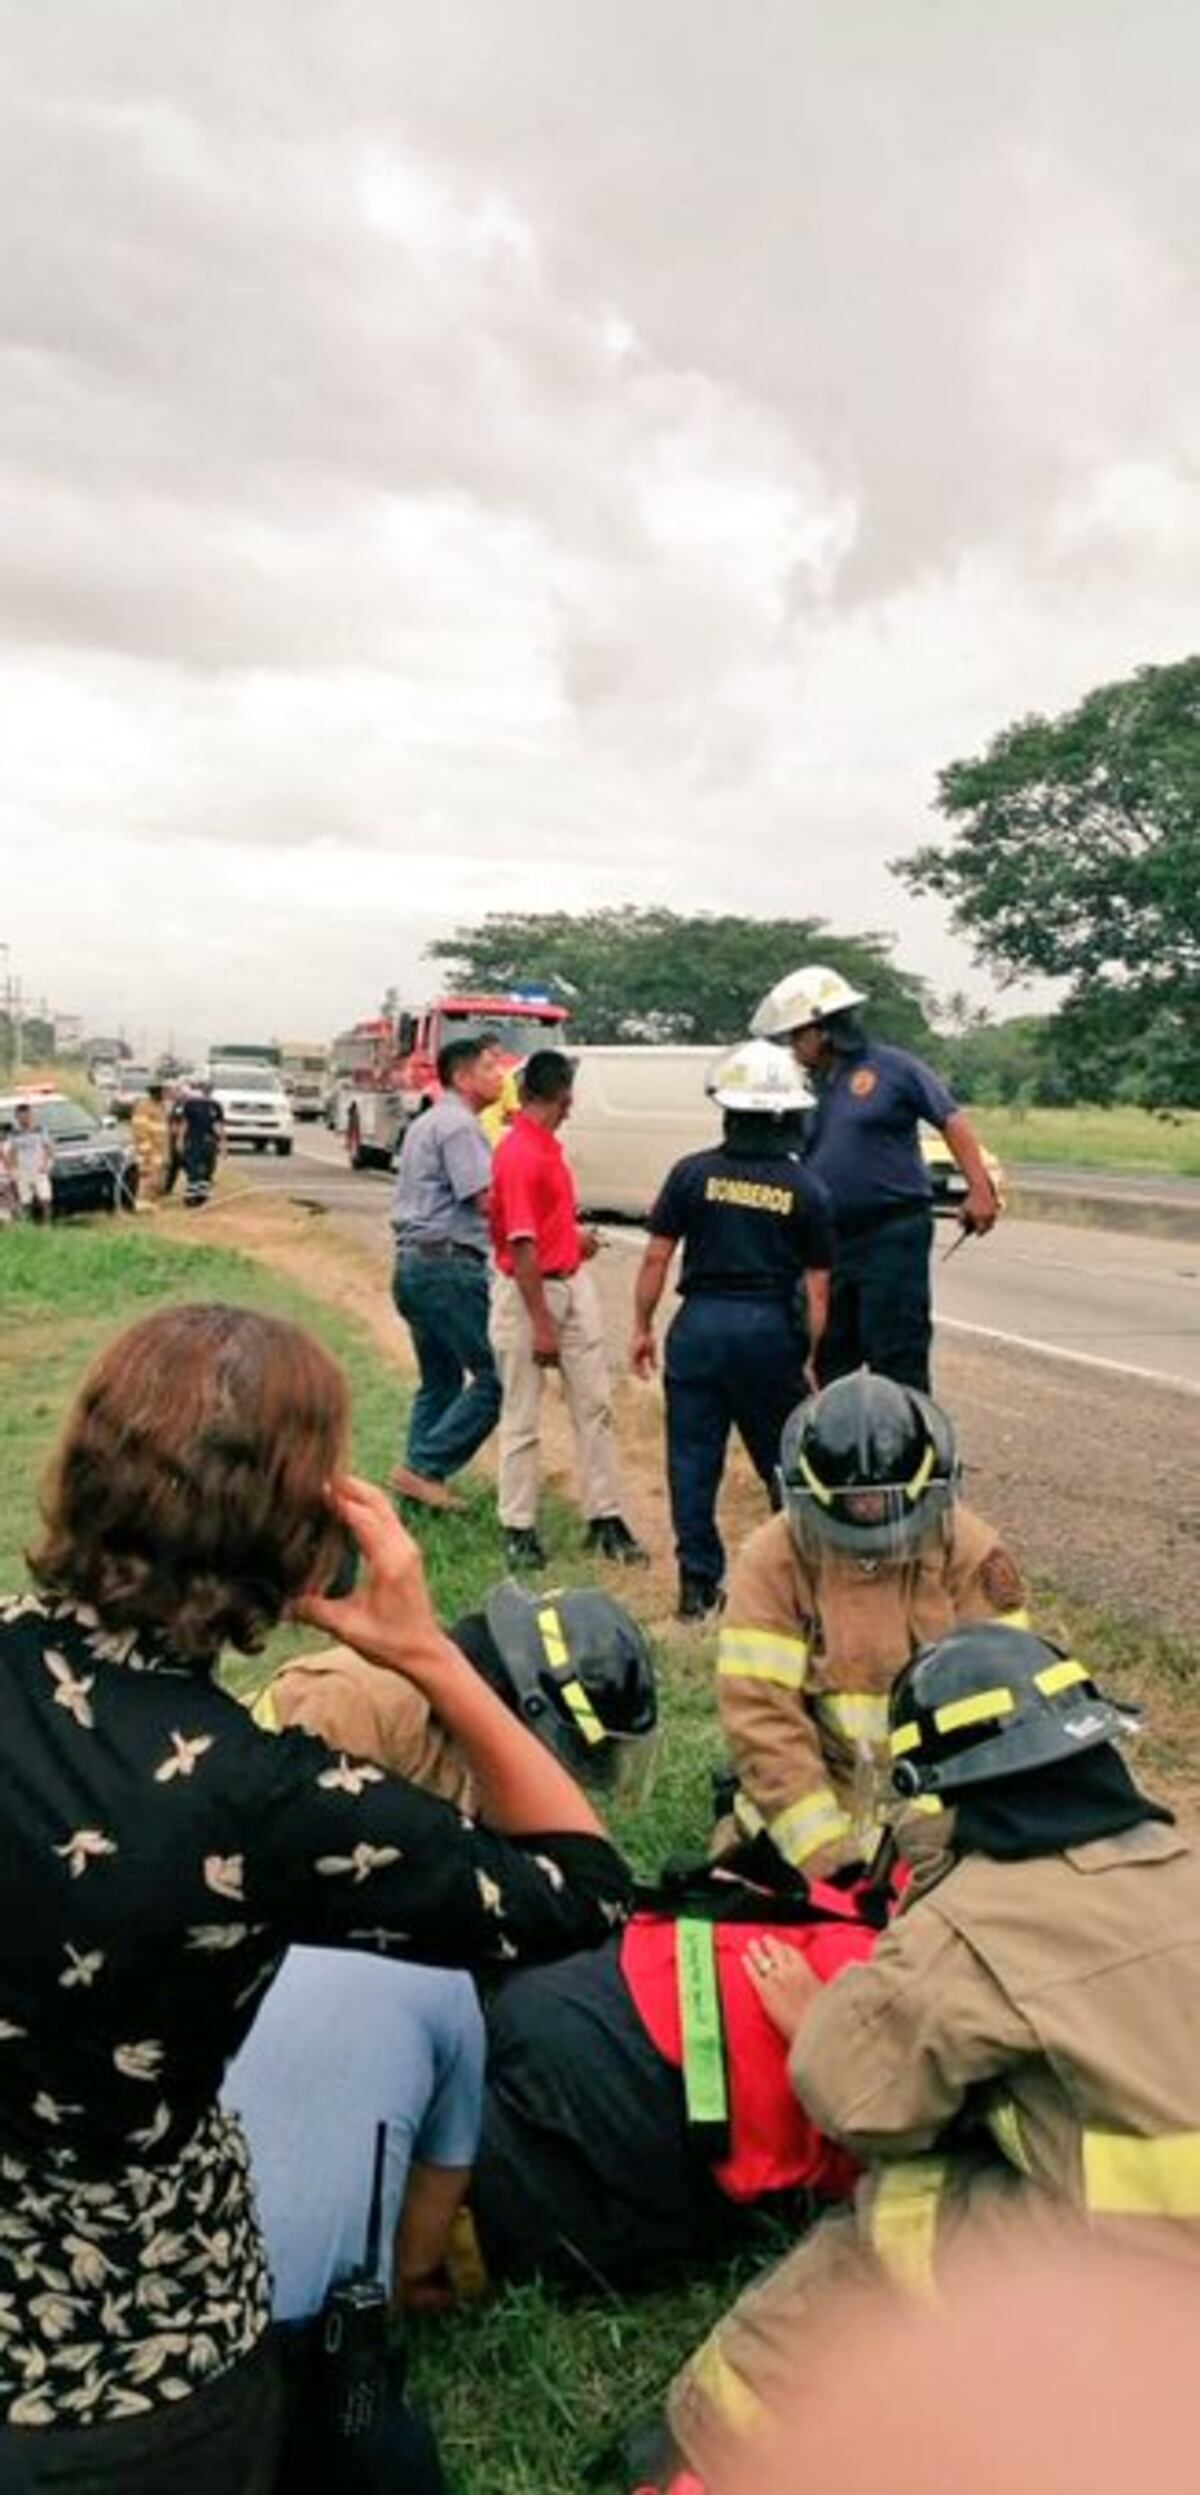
point(86, 1845)
point(72, 1690)
point(185, 1751)
point(361, 1863)
point(345, 1778)
point(84, 1967)
point(225, 1875)
point(139, 2061)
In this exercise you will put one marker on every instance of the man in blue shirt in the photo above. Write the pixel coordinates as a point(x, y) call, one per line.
point(865, 1145)
point(755, 1228)
point(440, 1284)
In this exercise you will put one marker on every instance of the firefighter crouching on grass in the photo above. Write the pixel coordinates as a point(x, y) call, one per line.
point(1021, 2046)
point(755, 1230)
point(873, 1557)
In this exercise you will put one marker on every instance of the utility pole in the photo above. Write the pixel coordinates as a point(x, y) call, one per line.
point(12, 1008)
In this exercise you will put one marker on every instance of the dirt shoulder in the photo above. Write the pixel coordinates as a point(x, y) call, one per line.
point(1093, 1478)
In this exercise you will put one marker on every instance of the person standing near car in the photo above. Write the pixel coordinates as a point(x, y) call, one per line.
point(202, 1133)
point(865, 1147)
point(28, 1161)
point(546, 1316)
point(151, 1127)
point(440, 1285)
point(755, 1231)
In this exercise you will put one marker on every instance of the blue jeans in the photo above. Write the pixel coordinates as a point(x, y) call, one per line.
point(444, 1303)
point(730, 1363)
point(344, 2042)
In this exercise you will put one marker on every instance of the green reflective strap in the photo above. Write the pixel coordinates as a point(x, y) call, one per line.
point(704, 2082)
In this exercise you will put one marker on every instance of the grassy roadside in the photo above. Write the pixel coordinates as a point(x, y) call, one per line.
point(1124, 1140)
point(526, 2391)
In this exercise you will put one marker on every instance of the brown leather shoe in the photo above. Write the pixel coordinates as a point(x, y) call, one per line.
point(410, 1485)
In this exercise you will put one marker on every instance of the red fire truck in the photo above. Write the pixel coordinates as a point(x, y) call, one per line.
point(385, 1069)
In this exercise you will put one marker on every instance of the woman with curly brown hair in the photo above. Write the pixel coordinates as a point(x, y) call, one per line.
point(158, 1853)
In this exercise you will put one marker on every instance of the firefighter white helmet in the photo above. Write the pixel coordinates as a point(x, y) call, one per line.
point(808, 995)
point(759, 1077)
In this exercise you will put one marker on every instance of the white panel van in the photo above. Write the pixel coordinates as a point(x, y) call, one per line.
point(635, 1111)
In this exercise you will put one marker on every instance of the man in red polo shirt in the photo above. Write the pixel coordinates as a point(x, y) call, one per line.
point(545, 1315)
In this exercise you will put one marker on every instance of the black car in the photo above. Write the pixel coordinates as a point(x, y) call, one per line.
point(94, 1168)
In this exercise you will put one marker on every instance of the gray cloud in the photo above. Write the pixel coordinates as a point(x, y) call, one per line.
point(567, 451)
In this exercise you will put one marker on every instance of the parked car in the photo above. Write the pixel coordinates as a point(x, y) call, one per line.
point(94, 1168)
point(256, 1107)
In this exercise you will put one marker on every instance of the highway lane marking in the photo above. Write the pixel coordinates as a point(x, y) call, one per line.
point(1056, 1351)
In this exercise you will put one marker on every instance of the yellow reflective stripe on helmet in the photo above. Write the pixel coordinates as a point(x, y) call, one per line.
point(905, 1738)
point(1004, 2122)
point(813, 1480)
point(1124, 2177)
point(806, 1826)
point(265, 1711)
point(762, 1655)
point(986, 1707)
point(857, 1714)
point(1014, 1620)
point(571, 1689)
point(920, 1479)
point(903, 2221)
point(711, 2374)
point(575, 1696)
point(553, 1636)
point(1058, 1676)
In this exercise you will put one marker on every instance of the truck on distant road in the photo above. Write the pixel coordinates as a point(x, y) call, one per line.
point(390, 1062)
point(304, 1066)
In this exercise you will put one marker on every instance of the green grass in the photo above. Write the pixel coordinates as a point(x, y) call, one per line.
point(525, 2392)
point(1096, 1139)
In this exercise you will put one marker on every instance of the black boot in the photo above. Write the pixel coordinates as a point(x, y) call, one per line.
point(611, 1537)
point(522, 1547)
point(699, 1598)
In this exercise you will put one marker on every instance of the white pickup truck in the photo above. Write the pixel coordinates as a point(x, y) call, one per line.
point(255, 1106)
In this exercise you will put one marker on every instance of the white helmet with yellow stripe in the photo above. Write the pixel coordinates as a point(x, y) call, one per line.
point(809, 995)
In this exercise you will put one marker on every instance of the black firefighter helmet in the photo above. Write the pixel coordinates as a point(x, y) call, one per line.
point(575, 1666)
point(989, 1702)
point(868, 1467)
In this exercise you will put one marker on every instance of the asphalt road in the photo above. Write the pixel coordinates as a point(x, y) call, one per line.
point(1095, 1296)
point(1070, 1359)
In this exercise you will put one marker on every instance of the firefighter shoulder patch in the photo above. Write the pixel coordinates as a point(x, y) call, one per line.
point(1000, 1580)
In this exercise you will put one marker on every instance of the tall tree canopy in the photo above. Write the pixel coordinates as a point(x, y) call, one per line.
point(631, 974)
point(1077, 855)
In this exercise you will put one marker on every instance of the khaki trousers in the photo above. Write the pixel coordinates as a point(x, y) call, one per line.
point(575, 1309)
point(909, 2214)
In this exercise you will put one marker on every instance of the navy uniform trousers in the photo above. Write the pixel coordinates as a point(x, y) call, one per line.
point(729, 1363)
point(879, 1302)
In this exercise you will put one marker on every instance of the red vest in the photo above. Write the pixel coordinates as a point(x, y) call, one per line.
point(774, 2145)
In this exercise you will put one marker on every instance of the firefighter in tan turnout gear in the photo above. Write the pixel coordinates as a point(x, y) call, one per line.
point(1021, 2046)
point(873, 1557)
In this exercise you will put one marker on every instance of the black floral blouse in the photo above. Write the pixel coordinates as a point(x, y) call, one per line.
point(157, 1855)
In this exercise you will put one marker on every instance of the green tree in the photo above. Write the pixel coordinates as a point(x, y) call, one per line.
point(1077, 855)
point(632, 974)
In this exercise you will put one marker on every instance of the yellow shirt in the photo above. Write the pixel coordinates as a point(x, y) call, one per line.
point(502, 1111)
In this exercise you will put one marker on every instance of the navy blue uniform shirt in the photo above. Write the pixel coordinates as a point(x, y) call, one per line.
point(751, 1222)
point(864, 1142)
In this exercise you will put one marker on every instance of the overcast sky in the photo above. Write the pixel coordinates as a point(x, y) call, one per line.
point(464, 453)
